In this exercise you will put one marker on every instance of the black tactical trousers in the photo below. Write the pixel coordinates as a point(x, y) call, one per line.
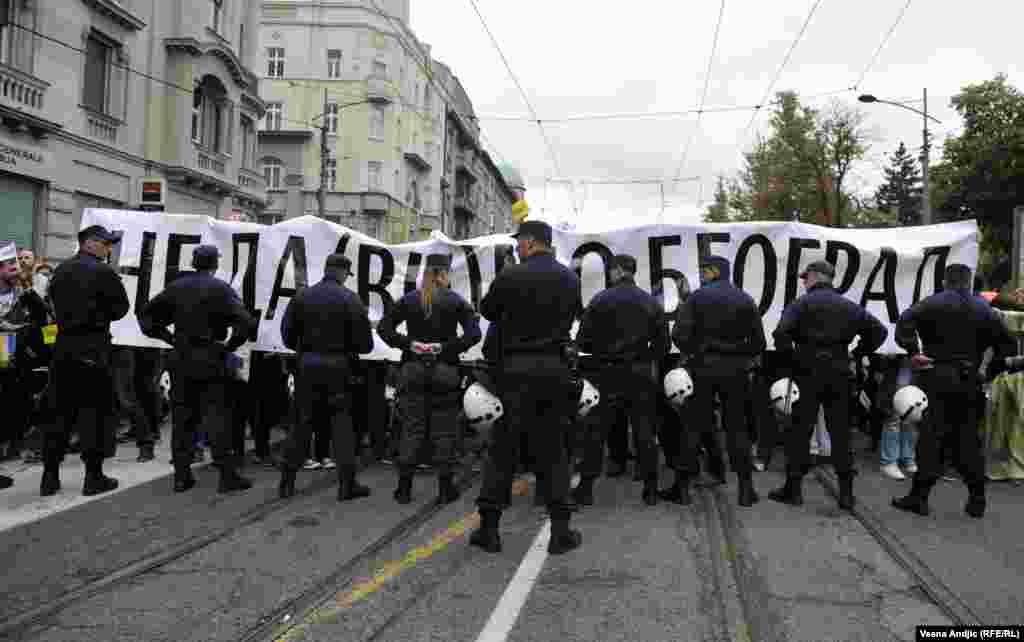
point(83, 397)
point(322, 396)
point(731, 385)
point(134, 378)
point(200, 405)
point(764, 428)
point(430, 398)
point(537, 392)
point(627, 391)
point(831, 387)
point(955, 406)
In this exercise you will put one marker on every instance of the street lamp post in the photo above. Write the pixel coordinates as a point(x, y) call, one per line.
point(324, 155)
point(926, 202)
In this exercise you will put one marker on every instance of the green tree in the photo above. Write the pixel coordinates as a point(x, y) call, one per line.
point(901, 192)
point(718, 212)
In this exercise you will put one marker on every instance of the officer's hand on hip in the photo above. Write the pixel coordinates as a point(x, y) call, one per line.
point(921, 361)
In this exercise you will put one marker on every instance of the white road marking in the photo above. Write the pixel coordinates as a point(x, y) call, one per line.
point(512, 600)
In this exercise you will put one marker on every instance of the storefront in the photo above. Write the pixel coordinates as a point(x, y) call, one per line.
point(26, 166)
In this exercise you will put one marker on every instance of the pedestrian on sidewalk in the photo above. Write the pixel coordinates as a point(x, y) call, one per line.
point(946, 336)
point(202, 308)
point(88, 296)
point(326, 325)
point(429, 381)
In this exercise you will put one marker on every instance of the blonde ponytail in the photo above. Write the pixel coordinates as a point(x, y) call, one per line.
point(427, 291)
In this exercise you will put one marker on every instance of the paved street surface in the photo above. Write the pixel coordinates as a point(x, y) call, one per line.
point(146, 564)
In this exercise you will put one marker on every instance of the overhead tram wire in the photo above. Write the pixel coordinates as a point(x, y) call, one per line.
point(526, 99)
point(881, 45)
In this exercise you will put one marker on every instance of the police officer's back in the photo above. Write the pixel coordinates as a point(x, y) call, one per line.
point(624, 328)
point(327, 326)
point(202, 308)
point(816, 331)
point(720, 328)
point(535, 304)
point(947, 335)
point(87, 296)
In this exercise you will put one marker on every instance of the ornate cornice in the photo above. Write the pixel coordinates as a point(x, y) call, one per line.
point(113, 10)
point(193, 46)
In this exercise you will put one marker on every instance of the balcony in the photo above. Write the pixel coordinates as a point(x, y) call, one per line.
point(417, 161)
point(101, 126)
point(378, 88)
point(210, 162)
point(251, 180)
point(21, 91)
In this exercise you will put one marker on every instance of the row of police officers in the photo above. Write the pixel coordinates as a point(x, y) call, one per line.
point(531, 307)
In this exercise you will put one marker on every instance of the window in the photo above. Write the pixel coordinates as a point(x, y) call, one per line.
point(373, 170)
point(17, 45)
point(332, 173)
point(332, 118)
point(273, 116)
point(275, 62)
point(248, 142)
point(197, 115)
point(380, 69)
point(334, 63)
point(97, 73)
point(272, 169)
point(212, 116)
point(377, 123)
point(218, 14)
point(241, 41)
point(426, 97)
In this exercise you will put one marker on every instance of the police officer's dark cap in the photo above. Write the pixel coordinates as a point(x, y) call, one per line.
point(98, 232)
point(205, 256)
point(821, 267)
point(536, 230)
point(339, 262)
point(624, 262)
point(439, 262)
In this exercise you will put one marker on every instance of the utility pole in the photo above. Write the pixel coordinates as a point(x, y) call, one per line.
point(926, 200)
point(322, 192)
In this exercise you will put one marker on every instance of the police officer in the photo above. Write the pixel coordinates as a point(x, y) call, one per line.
point(720, 328)
point(955, 329)
point(429, 377)
point(202, 308)
point(87, 296)
point(326, 325)
point(625, 330)
point(816, 331)
point(535, 303)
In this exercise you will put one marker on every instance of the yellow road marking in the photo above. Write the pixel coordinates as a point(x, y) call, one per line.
point(390, 570)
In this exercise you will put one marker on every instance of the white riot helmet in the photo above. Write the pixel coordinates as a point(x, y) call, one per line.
point(165, 385)
point(481, 407)
point(589, 398)
point(291, 386)
point(678, 386)
point(910, 402)
point(784, 393)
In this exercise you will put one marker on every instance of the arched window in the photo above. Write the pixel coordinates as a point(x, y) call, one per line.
point(273, 169)
point(212, 116)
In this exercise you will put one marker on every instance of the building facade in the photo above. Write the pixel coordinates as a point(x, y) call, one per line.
point(96, 95)
point(363, 76)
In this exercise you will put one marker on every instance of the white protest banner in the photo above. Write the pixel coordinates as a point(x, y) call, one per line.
point(886, 270)
point(8, 252)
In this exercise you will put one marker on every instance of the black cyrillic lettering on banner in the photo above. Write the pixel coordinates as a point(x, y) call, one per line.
point(342, 243)
point(793, 266)
point(832, 250)
point(412, 271)
point(475, 280)
point(174, 244)
point(144, 272)
point(593, 247)
point(387, 273)
point(503, 254)
point(941, 254)
point(655, 244)
point(252, 241)
point(887, 260)
point(704, 242)
point(771, 268)
point(295, 251)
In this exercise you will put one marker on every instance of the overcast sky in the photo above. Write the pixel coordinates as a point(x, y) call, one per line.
point(576, 57)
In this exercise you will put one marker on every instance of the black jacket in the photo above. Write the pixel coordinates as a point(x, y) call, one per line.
point(88, 296)
point(822, 323)
point(202, 308)
point(29, 311)
point(448, 310)
point(719, 319)
point(327, 318)
point(536, 303)
point(624, 323)
point(954, 326)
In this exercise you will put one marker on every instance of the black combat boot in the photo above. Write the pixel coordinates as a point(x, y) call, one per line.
point(145, 453)
point(583, 494)
point(563, 539)
point(678, 492)
point(846, 498)
point(51, 479)
point(792, 493)
point(183, 479)
point(747, 495)
point(349, 488)
point(286, 487)
point(917, 500)
point(6, 482)
point(95, 481)
point(403, 494)
point(650, 494)
point(230, 480)
point(976, 503)
point(447, 491)
point(487, 537)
